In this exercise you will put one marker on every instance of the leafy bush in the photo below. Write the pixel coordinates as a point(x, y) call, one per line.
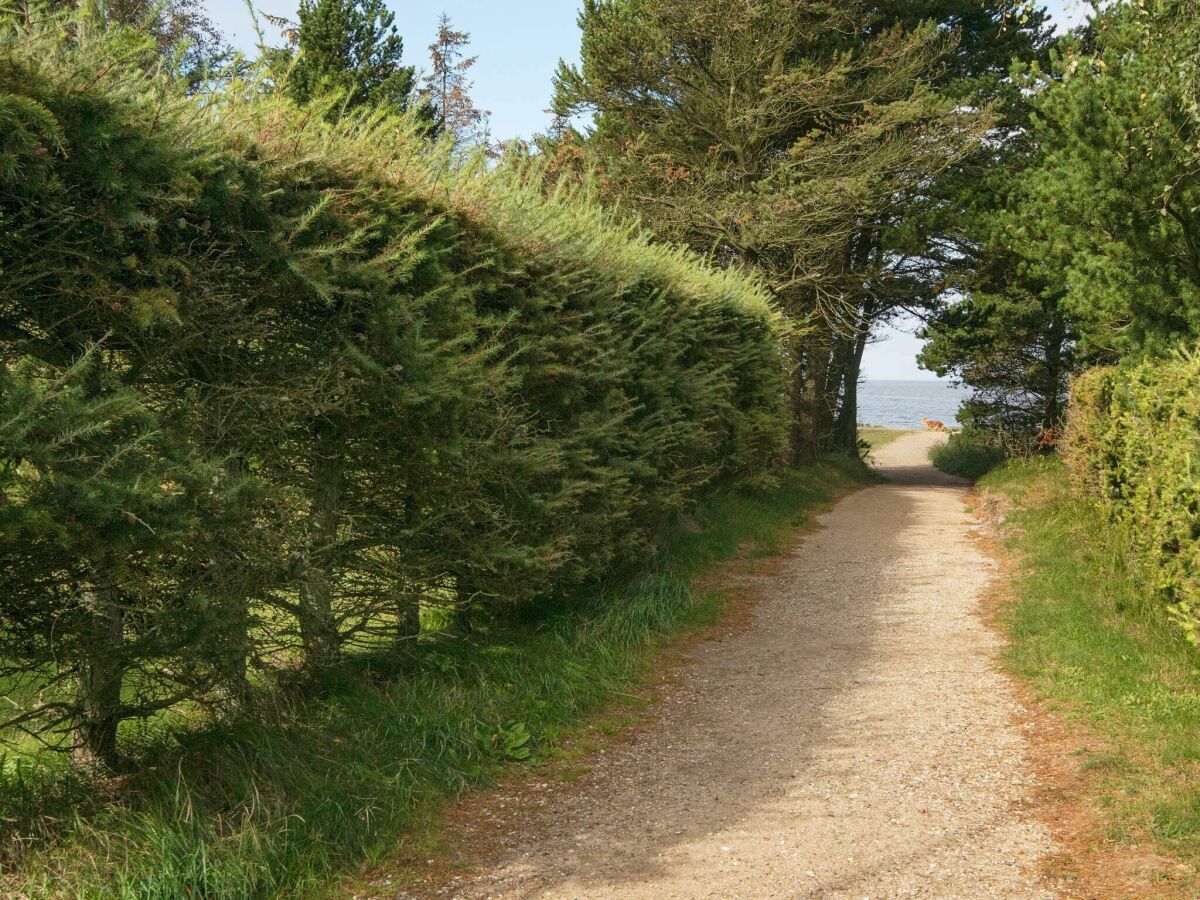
point(968, 454)
point(1132, 440)
point(317, 377)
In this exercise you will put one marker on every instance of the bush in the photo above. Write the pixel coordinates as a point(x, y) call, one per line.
point(968, 454)
point(1133, 437)
point(315, 378)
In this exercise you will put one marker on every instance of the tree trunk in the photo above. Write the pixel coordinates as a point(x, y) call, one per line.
point(102, 669)
point(101, 678)
point(237, 677)
point(408, 617)
point(812, 416)
point(408, 601)
point(466, 605)
point(808, 387)
point(847, 428)
point(820, 406)
point(835, 388)
point(1055, 338)
point(318, 624)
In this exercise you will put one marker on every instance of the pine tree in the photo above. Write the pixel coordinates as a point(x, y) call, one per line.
point(350, 48)
point(782, 136)
point(448, 88)
point(1012, 342)
point(1113, 208)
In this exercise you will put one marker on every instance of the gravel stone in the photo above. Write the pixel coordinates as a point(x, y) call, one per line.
point(856, 740)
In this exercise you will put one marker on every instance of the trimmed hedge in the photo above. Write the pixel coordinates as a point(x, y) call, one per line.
point(284, 385)
point(1133, 442)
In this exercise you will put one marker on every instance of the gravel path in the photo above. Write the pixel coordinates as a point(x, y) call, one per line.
point(854, 741)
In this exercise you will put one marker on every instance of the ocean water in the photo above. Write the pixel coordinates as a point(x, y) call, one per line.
point(902, 404)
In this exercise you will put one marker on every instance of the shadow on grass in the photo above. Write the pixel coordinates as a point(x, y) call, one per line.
point(315, 783)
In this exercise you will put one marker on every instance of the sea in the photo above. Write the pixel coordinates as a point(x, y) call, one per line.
point(902, 404)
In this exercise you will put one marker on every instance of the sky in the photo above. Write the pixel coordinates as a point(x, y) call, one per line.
point(519, 46)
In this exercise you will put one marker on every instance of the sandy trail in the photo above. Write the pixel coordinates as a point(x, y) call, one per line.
point(855, 740)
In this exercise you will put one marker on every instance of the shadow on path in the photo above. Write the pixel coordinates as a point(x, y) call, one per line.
point(852, 740)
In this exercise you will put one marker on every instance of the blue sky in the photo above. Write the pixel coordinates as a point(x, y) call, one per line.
point(519, 46)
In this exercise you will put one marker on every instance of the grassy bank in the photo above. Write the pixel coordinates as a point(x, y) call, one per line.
point(1092, 639)
point(325, 784)
point(877, 436)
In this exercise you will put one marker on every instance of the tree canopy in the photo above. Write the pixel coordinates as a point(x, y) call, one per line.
point(820, 145)
point(350, 49)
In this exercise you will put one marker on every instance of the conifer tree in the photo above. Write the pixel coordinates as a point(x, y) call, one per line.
point(775, 135)
point(110, 502)
point(448, 86)
point(182, 30)
point(270, 382)
point(1082, 236)
point(351, 49)
point(1113, 208)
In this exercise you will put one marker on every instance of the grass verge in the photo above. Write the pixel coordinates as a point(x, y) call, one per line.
point(876, 436)
point(314, 787)
point(1089, 636)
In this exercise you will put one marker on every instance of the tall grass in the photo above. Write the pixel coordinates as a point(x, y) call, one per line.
point(1088, 631)
point(281, 802)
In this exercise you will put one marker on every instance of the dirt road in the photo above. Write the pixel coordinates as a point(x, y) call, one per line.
point(854, 741)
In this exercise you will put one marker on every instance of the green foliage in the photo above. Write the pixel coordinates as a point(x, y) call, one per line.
point(1133, 436)
point(187, 40)
point(285, 797)
point(1012, 344)
point(970, 453)
point(349, 49)
point(108, 194)
point(1000, 326)
point(788, 138)
point(311, 378)
point(1113, 209)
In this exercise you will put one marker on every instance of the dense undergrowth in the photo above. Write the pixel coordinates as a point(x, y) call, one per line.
point(279, 803)
point(968, 454)
point(1088, 631)
point(1132, 445)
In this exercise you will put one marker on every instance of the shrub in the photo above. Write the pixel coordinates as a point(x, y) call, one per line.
point(319, 375)
point(968, 454)
point(1132, 440)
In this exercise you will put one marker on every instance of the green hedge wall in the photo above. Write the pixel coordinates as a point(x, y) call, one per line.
point(1133, 442)
point(273, 387)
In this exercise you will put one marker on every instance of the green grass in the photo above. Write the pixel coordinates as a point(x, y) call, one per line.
point(286, 802)
point(1088, 633)
point(967, 455)
point(876, 436)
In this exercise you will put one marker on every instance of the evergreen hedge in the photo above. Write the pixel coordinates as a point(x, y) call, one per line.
point(1133, 442)
point(273, 386)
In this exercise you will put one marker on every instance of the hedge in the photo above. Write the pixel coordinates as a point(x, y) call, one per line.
point(1133, 443)
point(275, 388)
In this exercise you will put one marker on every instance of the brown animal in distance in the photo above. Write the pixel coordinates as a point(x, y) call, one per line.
point(934, 425)
point(1049, 438)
